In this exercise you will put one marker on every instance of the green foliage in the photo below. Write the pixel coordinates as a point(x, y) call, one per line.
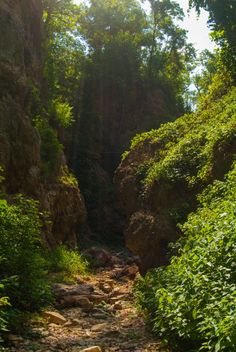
point(22, 265)
point(66, 177)
point(63, 47)
point(67, 262)
point(189, 148)
point(192, 301)
point(62, 111)
point(154, 47)
point(4, 302)
point(50, 148)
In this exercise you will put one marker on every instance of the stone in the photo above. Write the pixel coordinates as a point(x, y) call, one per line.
point(91, 349)
point(112, 333)
point(117, 306)
point(14, 339)
point(83, 302)
point(75, 301)
point(100, 316)
point(99, 256)
point(62, 290)
point(54, 317)
point(129, 272)
point(96, 298)
point(105, 287)
point(99, 327)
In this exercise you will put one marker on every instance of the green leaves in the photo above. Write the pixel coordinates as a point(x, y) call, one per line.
point(189, 149)
point(194, 299)
point(22, 266)
point(63, 112)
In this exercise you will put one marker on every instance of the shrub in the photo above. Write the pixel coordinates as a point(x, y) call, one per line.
point(4, 302)
point(22, 266)
point(62, 112)
point(67, 262)
point(193, 299)
point(67, 178)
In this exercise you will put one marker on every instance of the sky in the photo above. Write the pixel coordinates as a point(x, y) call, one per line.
point(197, 27)
point(198, 32)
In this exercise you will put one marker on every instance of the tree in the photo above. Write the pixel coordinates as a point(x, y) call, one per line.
point(222, 21)
point(64, 50)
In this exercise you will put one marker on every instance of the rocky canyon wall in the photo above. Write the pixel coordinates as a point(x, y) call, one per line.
point(20, 143)
point(166, 172)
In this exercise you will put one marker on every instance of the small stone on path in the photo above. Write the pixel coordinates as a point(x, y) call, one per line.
point(54, 317)
point(99, 327)
point(91, 349)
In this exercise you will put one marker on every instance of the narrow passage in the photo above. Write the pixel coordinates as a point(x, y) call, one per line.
point(98, 311)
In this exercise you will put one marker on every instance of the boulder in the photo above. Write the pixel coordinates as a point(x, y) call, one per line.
point(99, 257)
point(62, 290)
point(75, 301)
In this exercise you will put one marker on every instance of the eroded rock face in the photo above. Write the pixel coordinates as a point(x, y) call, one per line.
point(66, 206)
point(20, 70)
point(20, 62)
point(148, 221)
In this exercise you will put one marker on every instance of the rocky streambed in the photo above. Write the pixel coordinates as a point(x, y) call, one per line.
point(96, 314)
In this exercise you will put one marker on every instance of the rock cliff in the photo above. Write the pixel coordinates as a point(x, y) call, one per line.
point(20, 144)
point(160, 178)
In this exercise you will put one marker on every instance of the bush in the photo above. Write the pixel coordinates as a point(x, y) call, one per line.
point(4, 302)
point(67, 178)
point(62, 111)
point(193, 300)
point(67, 262)
point(22, 266)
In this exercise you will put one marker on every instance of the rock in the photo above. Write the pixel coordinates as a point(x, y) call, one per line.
point(14, 339)
point(148, 224)
point(112, 333)
point(105, 287)
point(21, 82)
point(100, 316)
point(115, 260)
point(62, 290)
point(129, 272)
point(91, 349)
point(99, 327)
point(75, 301)
point(118, 292)
point(96, 298)
point(117, 306)
point(83, 302)
point(99, 257)
point(54, 317)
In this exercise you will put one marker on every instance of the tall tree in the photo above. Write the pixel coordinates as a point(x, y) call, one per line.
point(222, 20)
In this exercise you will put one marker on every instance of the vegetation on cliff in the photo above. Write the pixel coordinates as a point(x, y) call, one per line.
point(189, 149)
point(191, 303)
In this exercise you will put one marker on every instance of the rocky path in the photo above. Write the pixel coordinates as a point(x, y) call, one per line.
point(98, 311)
